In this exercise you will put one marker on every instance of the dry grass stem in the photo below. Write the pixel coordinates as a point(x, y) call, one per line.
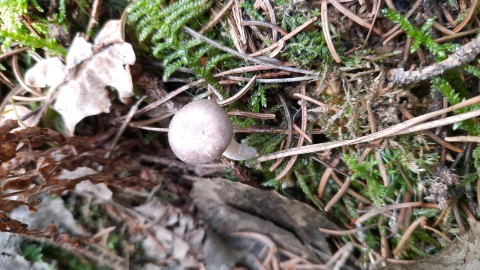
point(326, 32)
point(346, 232)
point(393, 207)
point(406, 235)
point(285, 38)
point(244, 56)
point(391, 131)
point(343, 189)
point(261, 116)
point(239, 94)
point(301, 140)
point(354, 17)
point(468, 18)
point(324, 179)
point(217, 18)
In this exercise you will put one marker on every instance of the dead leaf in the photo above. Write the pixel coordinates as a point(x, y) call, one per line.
point(100, 191)
point(77, 173)
point(111, 33)
point(48, 211)
point(48, 72)
point(82, 82)
point(80, 51)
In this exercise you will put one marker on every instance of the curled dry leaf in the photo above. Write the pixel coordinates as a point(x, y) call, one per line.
point(48, 72)
point(89, 70)
point(80, 51)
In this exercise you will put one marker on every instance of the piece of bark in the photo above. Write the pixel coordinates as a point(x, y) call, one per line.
point(463, 253)
point(236, 212)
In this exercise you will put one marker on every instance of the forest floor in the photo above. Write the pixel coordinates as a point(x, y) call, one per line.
point(364, 114)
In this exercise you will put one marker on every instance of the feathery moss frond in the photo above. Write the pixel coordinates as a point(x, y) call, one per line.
point(159, 24)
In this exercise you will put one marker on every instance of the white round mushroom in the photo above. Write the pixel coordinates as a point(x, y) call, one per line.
point(201, 132)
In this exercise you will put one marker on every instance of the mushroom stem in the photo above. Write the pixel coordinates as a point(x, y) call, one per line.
point(237, 151)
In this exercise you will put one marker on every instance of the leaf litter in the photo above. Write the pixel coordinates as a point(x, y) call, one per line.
point(146, 203)
point(80, 85)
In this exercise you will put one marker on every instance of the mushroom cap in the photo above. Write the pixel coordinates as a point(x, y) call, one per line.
point(200, 132)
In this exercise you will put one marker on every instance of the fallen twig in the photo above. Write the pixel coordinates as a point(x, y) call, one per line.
point(462, 55)
point(408, 126)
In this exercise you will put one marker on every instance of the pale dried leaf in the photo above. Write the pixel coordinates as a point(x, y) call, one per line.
point(48, 211)
point(48, 72)
point(100, 191)
point(80, 51)
point(111, 33)
point(86, 94)
point(77, 173)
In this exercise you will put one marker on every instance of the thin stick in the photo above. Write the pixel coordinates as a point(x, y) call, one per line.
point(240, 93)
point(458, 35)
point(14, 52)
point(93, 18)
point(265, 24)
point(474, 139)
point(302, 133)
point(124, 125)
point(288, 117)
point(354, 17)
point(432, 135)
point(377, 10)
point(461, 56)
point(286, 37)
point(380, 134)
point(244, 56)
point(20, 79)
point(322, 105)
point(217, 18)
point(271, 15)
point(437, 232)
point(170, 95)
point(261, 116)
point(279, 80)
point(393, 207)
point(324, 179)
point(440, 122)
point(346, 232)
point(300, 141)
point(350, 191)
point(469, 16)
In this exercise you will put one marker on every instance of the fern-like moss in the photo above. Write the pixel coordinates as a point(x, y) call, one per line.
point(159, 24)
point(13, 30)
point(421, 36)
